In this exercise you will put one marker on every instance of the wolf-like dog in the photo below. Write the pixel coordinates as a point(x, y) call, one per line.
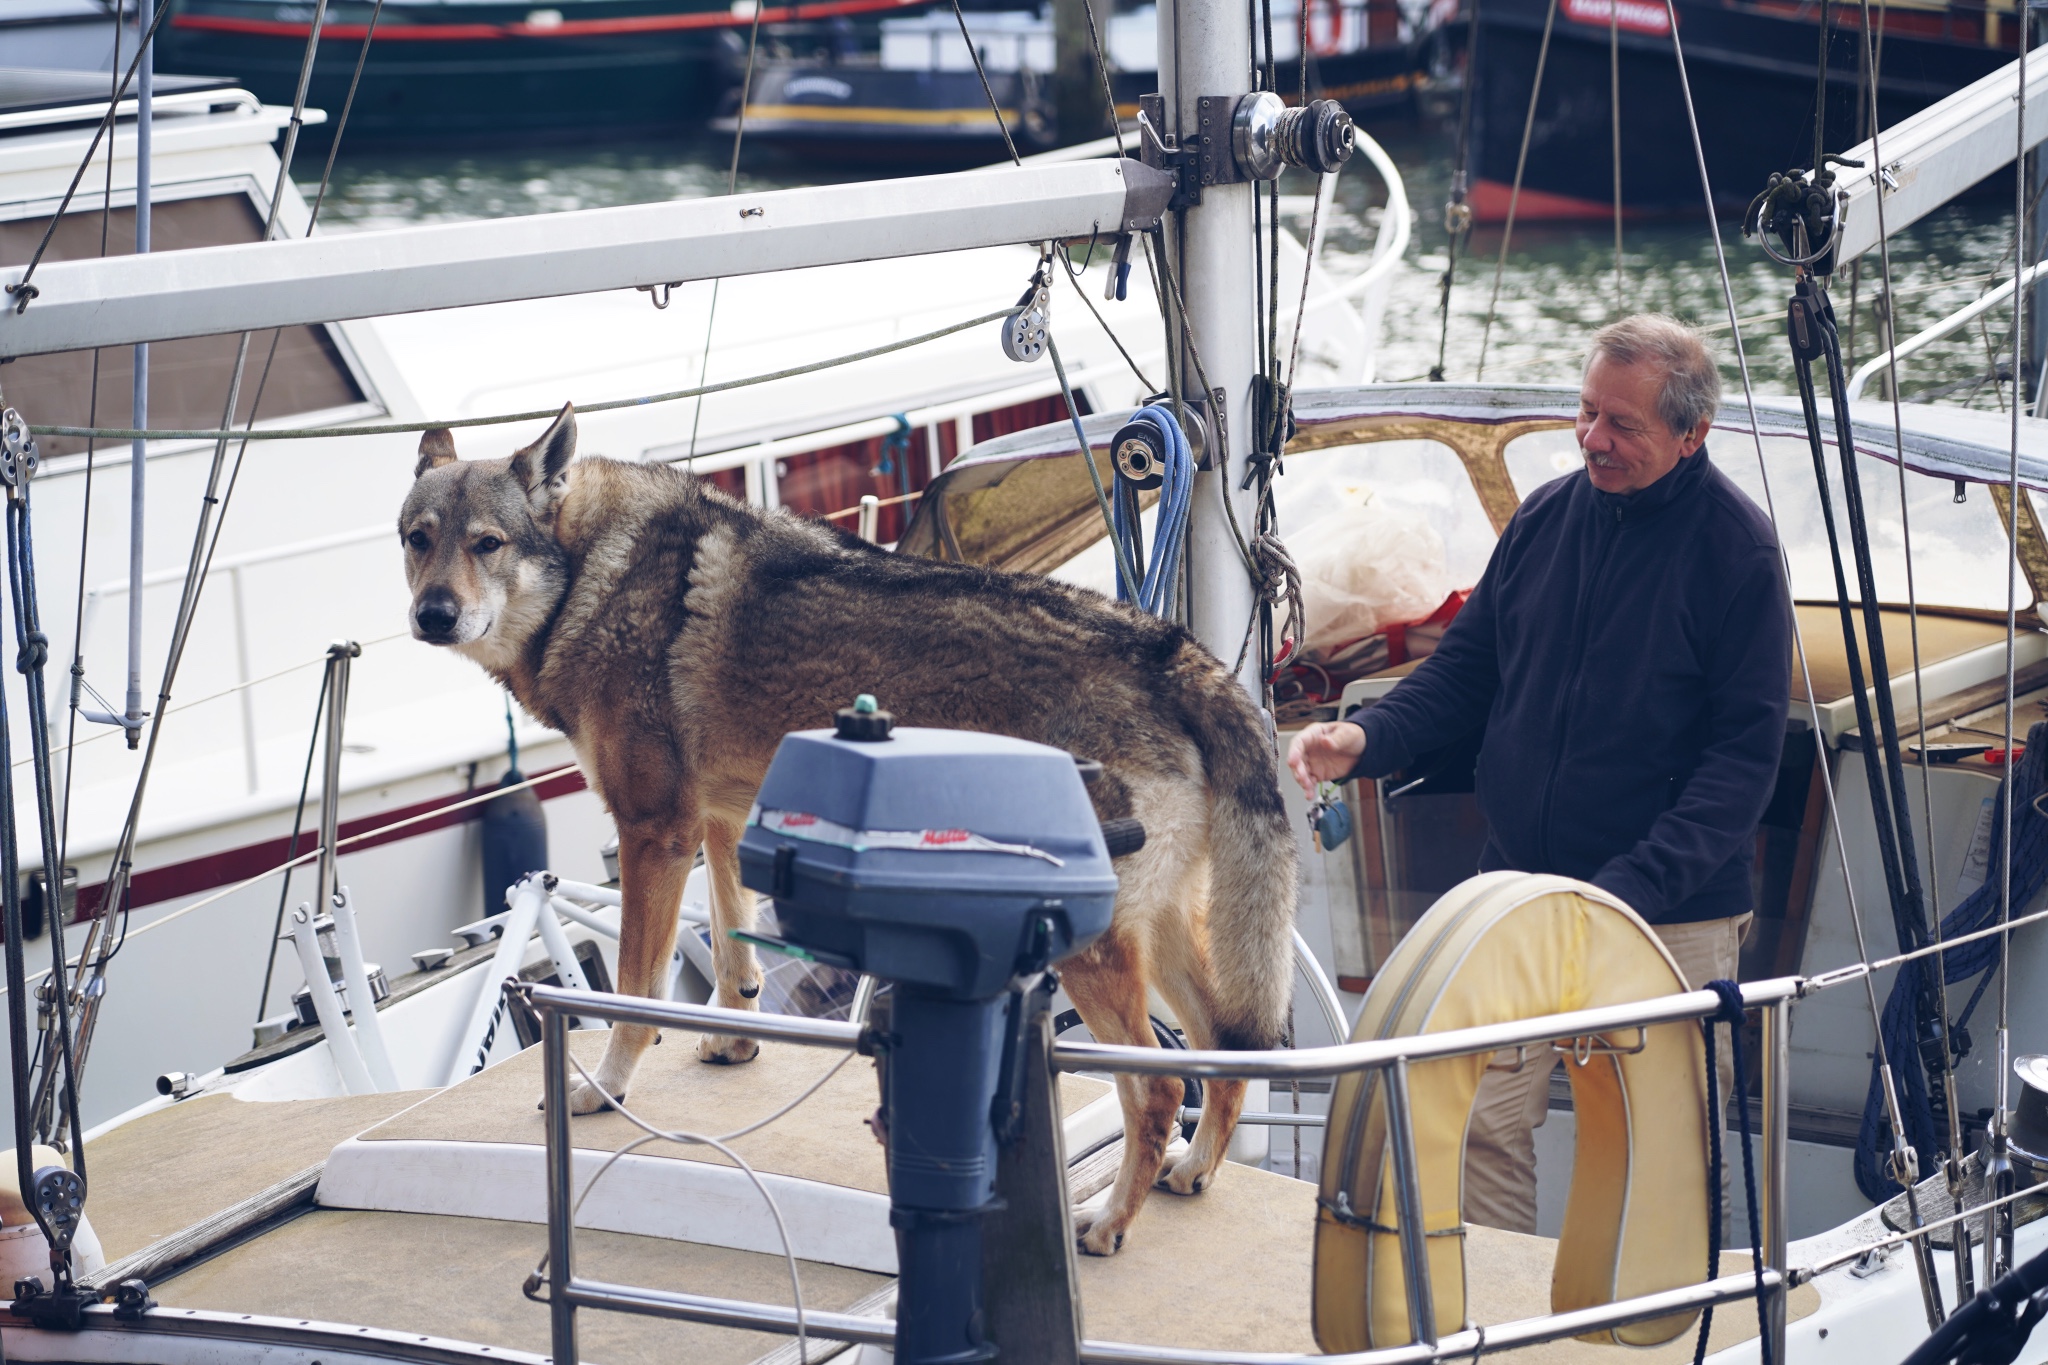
point(675, 635)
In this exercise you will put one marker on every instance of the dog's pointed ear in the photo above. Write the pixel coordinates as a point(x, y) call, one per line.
point(541, 467)
point(437, 447)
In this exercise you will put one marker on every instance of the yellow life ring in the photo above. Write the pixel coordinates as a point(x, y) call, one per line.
point(1502, 947)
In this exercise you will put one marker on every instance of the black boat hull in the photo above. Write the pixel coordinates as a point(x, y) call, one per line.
point(515, 71)
point(1753, 86)
point(835, 110)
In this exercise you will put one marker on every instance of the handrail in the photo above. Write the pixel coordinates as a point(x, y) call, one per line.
point(1276, 1063)
point(1967, 313)
point(1459, 1345)
point(566, 1292)
point(1286, 1064)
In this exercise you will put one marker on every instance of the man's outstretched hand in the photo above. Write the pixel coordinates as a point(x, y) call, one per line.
point(1324, 752)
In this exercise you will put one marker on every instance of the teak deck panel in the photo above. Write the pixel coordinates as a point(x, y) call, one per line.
point(1229, 1269)
point(826, 1138)
point(165, 1171)
point(462, 1278)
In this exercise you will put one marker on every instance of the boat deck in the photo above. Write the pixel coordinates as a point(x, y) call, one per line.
point(1184, 1279)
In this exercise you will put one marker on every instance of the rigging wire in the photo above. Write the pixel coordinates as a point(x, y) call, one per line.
point(292, 847)
point(2002, 1110)
point(732, 183)
point(418, 425)
point(1888, 335)
point(1515, 195)
point(233, 688)
point(1614, 120)
point(1798, 636)
point(438, 812)
point(23, 290)
point(101, 933)
point(1068, 262)
point(1457, 213)
point(92, 418)
point(1001, 125)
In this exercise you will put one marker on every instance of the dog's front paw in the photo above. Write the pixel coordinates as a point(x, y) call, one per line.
point(720, 1051)
point(1097, 1233)
point(1186, 1177)
point(584, 1098)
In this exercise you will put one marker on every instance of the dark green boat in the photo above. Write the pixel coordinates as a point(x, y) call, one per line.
point(443, 69)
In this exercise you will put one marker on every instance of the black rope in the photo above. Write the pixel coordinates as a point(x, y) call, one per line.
point(32, 648)
point(1730, 1013)
point(1811, 329)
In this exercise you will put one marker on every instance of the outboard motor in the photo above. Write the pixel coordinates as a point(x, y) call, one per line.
point(954, 867)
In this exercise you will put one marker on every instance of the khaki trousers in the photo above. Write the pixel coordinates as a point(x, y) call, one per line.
point(1500, 1142)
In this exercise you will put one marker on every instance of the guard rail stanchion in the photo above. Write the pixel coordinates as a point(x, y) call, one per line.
point(1777, 1088)
point(1408, 1199)
point(554, 1037)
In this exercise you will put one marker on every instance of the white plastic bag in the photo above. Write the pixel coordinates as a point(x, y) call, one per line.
point(1364, 567)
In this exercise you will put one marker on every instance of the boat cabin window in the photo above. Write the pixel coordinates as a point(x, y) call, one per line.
point(188, 379)
point(1419, 481)
point(1958, 548)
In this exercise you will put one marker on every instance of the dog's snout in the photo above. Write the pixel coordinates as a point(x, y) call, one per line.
point(436, 614)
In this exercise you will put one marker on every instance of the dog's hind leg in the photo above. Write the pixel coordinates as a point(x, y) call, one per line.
point(739, 971)
point(1107, 984)
point(654, 861)
point(1183, 976)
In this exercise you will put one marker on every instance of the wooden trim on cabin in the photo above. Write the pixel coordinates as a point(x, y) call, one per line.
point(2032, 549)
point(1480, 447)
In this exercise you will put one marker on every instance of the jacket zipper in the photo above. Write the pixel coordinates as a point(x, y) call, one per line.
point(1565, 694)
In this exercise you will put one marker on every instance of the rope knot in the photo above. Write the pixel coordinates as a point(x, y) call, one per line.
point(34, 652)
point(1731, 1002)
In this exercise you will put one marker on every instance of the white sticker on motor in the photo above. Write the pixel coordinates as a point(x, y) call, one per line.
point(818, 830)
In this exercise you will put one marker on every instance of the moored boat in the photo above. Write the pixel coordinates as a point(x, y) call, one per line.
point(441, 70)
point(1752, 68)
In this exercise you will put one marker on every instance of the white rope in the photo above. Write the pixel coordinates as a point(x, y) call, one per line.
point(717, 1144)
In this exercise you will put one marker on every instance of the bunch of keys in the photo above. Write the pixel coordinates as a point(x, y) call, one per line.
point(1329, 818)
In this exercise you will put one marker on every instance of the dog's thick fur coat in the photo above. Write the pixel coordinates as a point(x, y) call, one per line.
point(676, 635)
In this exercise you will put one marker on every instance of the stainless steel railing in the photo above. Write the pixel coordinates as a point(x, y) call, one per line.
point(567, 1292)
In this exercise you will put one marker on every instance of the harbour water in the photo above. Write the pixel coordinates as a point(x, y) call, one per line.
point(1556, 285)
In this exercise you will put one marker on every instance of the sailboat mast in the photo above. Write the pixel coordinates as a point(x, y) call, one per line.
point(1205, 49)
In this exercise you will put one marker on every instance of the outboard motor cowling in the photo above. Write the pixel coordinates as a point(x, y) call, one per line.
point(955, 867)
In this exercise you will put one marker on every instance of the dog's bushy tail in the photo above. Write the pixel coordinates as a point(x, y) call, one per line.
point(1253, 880)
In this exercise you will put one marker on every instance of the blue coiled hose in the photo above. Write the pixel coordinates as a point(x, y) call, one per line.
point(1176, 499)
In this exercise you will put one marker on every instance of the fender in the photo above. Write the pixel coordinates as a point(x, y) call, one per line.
point(1497, 948)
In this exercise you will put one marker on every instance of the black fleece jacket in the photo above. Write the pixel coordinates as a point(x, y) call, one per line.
point(1629, 656)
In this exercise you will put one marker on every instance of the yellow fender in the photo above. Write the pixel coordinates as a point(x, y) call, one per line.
point(1501, 947)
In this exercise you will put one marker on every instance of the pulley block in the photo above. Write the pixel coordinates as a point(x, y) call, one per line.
point(1802, 210)
point(1024, 333)
point(17, 449)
